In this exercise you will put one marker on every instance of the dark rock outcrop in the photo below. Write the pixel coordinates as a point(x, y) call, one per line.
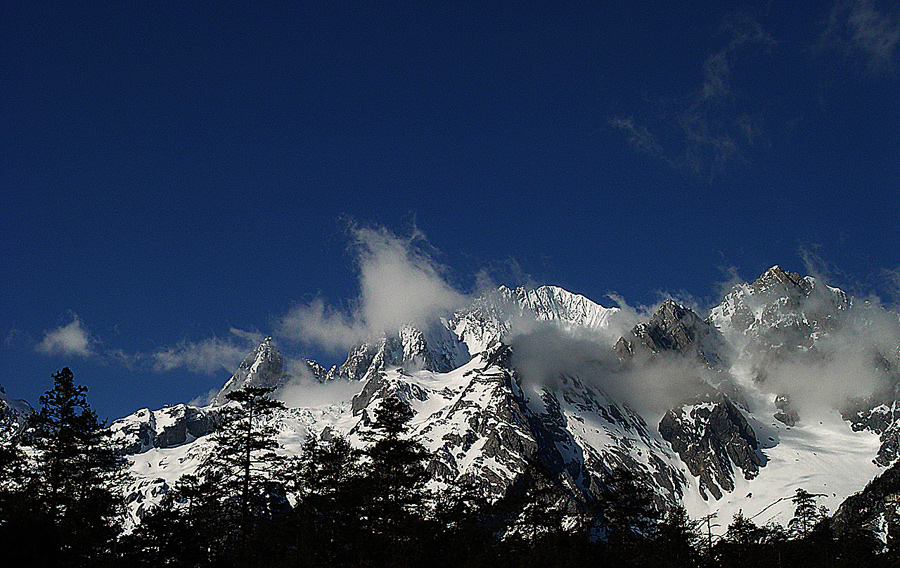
point(674, 328)
point(882, 418)
point(874, 509)
point(713, 438)
point(785, 411)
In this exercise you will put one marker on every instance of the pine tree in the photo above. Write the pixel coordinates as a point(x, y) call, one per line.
point(69, 485)
point(541, 511)
point(465, 534)
point(327, 482)
point(627, 509)
point(394, 484)
point(677, 539)
point(179, 532)
point(806, 514)
point(241, 463)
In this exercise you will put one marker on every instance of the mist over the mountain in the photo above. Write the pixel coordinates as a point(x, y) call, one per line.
point(650, 385)
point(820, 359)
point(400, 283)
point(850, 355)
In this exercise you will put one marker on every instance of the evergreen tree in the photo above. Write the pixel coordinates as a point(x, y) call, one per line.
point(182, 531)
point(395, 498)
point(677, 539)
point(806, 514)
point(70, 478)
point(241, 463)
point(538, 503)
point(464, 527)
point(748, 544)
point(327, 483)
point(629, 515)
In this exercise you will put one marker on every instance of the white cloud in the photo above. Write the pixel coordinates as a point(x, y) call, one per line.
point(399, 283)
point(204, 399)
point(209, 355)
point(639, 136)
point(301, 393)
point(651, 385)
point(70, 339)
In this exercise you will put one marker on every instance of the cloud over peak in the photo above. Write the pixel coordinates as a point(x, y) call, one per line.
point(208, 355)
point(400, 283)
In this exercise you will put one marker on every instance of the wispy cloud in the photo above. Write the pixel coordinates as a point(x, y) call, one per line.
point(69, 339)
point(208, 355)
point(711, 127)
point(399, 283)
point(639, 136)
point(204, 399)
point(862, 33)
point(205, 356)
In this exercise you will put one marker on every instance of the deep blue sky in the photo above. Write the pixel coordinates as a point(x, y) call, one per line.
point(174, 170)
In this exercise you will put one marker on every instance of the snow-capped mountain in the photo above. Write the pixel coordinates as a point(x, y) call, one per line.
point(13, 414)
point(729, 426)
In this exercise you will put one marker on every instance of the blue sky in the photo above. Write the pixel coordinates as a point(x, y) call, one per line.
point(180, 178)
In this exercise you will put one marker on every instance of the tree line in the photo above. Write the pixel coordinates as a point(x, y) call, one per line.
point(338, 505)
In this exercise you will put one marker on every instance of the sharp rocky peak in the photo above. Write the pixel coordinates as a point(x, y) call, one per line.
point(495, 315)
point(555, 303)
point(263, 367)
point(435, 348)
point(776, 279)
point(672, 327)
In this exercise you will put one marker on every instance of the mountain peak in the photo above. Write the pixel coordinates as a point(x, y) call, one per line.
point(775, 278)
point(263, 367)
point(671, 327)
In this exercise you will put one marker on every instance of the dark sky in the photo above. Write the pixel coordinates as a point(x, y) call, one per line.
point(178, 175)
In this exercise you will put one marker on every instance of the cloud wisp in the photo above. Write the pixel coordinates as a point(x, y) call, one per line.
point(550, 354)
point(711, 127)
point(400, 283)
point(824, 355)
point(208, 355)
point(863, 34)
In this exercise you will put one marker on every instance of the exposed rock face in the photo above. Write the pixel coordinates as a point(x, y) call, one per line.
point(165, 428)
point(493, 317)
point(876, 508)
point(785, 413)
point(674, 328)
point(713, 438)
point(436, 349)
point(778, 316)
point(483, 421)
point(264, 367)
point(883, 419)
point(710, 434)
point(486, 425)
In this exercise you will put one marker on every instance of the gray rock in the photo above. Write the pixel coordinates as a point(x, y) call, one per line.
point(264, 368)
point(713, 438)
